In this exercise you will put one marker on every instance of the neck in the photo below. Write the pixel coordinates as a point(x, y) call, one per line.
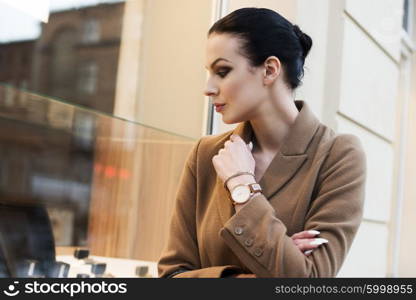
point(273, 126)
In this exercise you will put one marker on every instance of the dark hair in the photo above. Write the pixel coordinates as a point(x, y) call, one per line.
point(266, 33)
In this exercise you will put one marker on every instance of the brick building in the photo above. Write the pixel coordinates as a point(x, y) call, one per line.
point(16, 62)
point(75, 58)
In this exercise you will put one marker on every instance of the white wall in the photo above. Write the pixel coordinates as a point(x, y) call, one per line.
point(368, 102)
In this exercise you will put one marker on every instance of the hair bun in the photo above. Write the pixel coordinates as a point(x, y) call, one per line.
point(304, 39)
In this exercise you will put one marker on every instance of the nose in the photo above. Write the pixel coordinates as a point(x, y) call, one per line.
point(210, 90)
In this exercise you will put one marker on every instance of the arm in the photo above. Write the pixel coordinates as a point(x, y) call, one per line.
point(180, 258)
point(336, 212)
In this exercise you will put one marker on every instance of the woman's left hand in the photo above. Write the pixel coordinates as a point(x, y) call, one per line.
point(233, 158)
point(306, 241)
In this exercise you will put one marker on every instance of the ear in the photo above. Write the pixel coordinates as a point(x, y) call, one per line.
point(272, 70)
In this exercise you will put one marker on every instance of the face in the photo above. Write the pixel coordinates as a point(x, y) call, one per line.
point(232, 81)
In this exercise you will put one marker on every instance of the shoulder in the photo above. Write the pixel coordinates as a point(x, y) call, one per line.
point(347, 145)
point(338, 154)
point(337, 145)
point(345, 154)
point(205, 148)
point(209, 145)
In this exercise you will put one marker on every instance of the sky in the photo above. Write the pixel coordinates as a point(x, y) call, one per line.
point(17, 25)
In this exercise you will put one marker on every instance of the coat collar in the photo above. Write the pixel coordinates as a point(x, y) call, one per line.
point(300, 133)
point(284, 165)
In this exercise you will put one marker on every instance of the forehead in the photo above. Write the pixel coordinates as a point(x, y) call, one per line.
point(222, 45)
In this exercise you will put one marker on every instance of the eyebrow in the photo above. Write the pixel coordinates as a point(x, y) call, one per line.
point(217, 60)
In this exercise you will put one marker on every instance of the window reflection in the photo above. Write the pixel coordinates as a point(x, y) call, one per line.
point(91, 31)
point(74, 57)
point(73, 173)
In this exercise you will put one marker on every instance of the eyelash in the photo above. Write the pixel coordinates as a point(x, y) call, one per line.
point(223, 72)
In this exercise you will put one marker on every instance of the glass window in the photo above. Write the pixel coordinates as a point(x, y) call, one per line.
point(88, 76)
point(50, 57)
point(408, 15)
point(91, 31)
point(74, 175)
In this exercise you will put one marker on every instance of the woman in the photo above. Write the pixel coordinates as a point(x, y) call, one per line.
point(281, 195)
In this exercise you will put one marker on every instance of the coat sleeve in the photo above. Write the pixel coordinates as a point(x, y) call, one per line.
point(180, 258)
point(336, 212)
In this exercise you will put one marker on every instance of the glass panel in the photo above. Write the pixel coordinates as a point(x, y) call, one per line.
point(84, 177)
point(408, 16)
point(70, 178)
point(406, 12)
point(106, 55)
point(74, 56)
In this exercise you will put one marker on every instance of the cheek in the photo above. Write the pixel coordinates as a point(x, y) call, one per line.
point(240, 88)
point(248, 92)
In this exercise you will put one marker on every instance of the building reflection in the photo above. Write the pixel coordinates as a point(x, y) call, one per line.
point(47, 155)
point(74, 59)
point(47, 147)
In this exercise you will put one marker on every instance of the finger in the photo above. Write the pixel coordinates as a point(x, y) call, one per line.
point(221, 151)
point(250, 146)
point(236, 138)
point(302, 241)
point(311, 244)
point(227, 144)
point(305, 234)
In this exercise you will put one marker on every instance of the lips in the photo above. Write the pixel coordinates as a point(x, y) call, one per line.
point(219, 106)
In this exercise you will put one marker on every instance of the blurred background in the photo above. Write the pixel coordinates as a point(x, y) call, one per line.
point(101, 102)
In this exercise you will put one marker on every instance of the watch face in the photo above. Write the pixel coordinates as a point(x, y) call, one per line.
point(241, 194)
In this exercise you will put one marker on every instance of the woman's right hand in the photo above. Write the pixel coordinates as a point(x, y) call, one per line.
point(306, 241)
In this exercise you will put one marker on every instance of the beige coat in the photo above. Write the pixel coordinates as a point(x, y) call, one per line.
point(316, 181)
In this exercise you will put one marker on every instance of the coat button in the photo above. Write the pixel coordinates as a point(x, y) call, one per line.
point(238, 230)
point(258, 252)
point(248, 242)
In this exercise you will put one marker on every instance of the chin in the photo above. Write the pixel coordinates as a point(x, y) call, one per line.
point(230, 120)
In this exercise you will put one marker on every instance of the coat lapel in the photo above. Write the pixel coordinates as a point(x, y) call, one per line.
point(284, 165)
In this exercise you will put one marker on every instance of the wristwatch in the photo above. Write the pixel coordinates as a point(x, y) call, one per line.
point(243, 192)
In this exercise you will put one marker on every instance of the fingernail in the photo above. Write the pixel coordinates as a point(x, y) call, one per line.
point(307, 252)
point(250, 145)
point(314, 232)
point(318, 241)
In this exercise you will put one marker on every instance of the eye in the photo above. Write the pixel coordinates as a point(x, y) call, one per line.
point(223, 72)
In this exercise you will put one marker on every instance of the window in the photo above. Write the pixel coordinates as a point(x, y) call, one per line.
point(408, 15)
point(87, 81)
point(91, 31)
point(4, 62)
